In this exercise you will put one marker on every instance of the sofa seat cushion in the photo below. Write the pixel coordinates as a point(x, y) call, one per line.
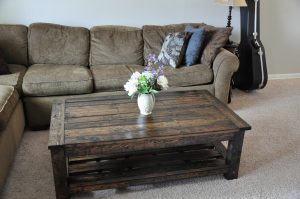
point(51, 79)
point(8, 100)
point(185, 76)
point(14, 79)
point(189, 75)
point(111, 77)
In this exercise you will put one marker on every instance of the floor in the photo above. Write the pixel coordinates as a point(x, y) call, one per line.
point(270, 163)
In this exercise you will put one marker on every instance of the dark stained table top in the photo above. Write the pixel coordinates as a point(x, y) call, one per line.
point(117, 118)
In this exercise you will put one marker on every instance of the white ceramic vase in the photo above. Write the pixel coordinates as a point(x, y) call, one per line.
point(146, 103)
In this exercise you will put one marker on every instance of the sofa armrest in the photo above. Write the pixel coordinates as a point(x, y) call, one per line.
point(224, 65)
point(14, 79)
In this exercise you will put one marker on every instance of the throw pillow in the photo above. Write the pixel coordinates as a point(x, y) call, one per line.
point(3, 66)
point(173, 49)
point(215, 38)
point(194, 46)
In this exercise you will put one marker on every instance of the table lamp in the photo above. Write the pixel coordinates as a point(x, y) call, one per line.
point(231, 3)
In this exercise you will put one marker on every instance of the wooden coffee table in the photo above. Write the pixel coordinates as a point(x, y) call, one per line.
point(103, 142)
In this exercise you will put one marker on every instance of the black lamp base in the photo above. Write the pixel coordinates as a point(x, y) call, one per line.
point(229, 24)
point(229, 17)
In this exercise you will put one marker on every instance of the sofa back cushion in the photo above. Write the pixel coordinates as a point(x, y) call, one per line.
point(57, 44)
point(116, 45)
point(13, 44)
point(52, 79)
point(154, 36)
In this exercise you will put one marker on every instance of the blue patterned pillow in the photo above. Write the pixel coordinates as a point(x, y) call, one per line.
point(194, 46)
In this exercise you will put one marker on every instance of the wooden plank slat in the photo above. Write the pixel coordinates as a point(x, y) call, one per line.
point(118, 96)
point(81, 159)
point(162, 114)
point(130, 107)
point(97, 98)
point(56, 134)
point(130, 132)
point(152, 172)
point(130, 145)
point(125, 99)
point(177, 114)
point(93, 186)
point(147, 160)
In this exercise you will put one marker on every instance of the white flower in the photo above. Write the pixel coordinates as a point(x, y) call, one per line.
point(162, 81)
point(131, 85)
point(135, 75)
point(148, 74)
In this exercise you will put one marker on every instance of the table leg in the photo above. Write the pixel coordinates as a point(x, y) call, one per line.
point(59, 165)
point(233, 156)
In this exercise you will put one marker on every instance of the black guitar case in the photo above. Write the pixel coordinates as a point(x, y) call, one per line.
point(252, 73)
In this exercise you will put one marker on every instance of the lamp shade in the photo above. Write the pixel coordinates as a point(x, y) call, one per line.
point(233, 3)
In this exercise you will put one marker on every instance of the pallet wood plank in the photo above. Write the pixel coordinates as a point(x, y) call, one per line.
point(158, 112)
point(129, 133)
point(117, 96)
point(147, 172)
point(100, 186)
point(148, 160)
point(80, 159)
point(131, 145)
point(56, 134)
point(207, 114)
point(127, 108)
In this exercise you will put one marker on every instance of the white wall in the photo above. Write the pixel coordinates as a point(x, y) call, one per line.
point(280, 34)
point(89, 13)
point(280, 29)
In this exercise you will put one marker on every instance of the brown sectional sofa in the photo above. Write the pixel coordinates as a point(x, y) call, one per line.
point(12, 123)
point(13, 46)
point(50, 61)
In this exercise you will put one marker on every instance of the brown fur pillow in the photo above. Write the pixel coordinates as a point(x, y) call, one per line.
point(215, 39)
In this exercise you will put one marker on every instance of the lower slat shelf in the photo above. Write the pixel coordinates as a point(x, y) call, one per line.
point(98, 185)
point(95, 174)
point(76, 160)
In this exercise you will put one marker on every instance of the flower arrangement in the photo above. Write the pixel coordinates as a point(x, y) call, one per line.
point(150, 81)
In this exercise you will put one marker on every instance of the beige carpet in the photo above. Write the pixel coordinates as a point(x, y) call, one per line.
point(270, 164)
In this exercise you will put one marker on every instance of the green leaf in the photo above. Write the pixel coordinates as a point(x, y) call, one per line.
point(153, 91)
